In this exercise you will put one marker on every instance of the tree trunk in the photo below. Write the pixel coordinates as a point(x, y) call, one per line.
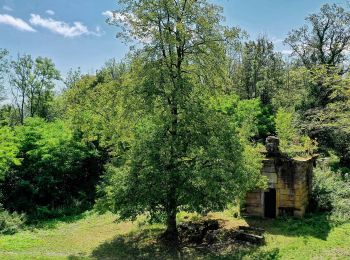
point(171, 233)
point(22, 110)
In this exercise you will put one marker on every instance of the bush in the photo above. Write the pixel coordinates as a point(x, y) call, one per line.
point(331, 192)
point(10, 223)
point(57, 170)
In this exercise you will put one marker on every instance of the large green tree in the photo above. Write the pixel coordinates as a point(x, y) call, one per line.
point(322, 43)
point(32, 83)
point(320, 49)
point(325, 39)
point(185, 153)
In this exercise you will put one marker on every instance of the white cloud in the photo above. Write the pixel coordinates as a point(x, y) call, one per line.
point(62, 28)
point(287, 52)
point(17, 23)
point(50, 12)
point(7, 8)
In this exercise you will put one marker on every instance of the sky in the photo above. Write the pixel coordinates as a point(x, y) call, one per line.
point(74, 33)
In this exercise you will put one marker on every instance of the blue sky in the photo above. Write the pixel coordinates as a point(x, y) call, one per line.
point(74, 34)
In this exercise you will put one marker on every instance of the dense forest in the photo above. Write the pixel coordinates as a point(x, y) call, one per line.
point(180, 123)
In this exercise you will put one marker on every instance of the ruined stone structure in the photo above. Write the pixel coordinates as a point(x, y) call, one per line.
point(289, 185)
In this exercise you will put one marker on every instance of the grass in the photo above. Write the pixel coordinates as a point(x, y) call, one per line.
point(92, 236)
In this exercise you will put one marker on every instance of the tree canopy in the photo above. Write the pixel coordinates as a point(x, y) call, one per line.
point(185, 153)
point(326, 40)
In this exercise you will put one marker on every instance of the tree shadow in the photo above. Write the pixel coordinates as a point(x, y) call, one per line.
point(315, 225)
point(144, 245)
point(54, 222)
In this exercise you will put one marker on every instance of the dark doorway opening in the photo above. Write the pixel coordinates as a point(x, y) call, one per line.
point(270, 203)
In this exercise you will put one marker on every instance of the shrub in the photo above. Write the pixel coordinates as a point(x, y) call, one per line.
point(10, 223)
point(331, 192)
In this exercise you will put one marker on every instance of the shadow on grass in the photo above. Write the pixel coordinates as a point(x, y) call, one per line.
point(315, 225)
point(53, 223)
point(144, 245)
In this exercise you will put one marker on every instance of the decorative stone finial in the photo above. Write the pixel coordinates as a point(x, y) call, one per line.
point(272, 145)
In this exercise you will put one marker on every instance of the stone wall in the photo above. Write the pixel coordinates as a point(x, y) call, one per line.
point(291, 178)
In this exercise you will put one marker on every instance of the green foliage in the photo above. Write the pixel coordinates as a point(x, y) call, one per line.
point(329, 121)
point(266, 122)
point(97, 107)
point(10, 223)
point(8, 115)
point(201, 177)
point(244, 113)
point(179, 153)
point(32, 83)
point(73, 76)
point(9, 150)
point(331, 192)
point(325, 86)
point(325, 39)
point(211, 169)
point(295, 91)
point(252, 119)
point(245, 116)
point(56, 169)
point(291, 141)
point(257, 72)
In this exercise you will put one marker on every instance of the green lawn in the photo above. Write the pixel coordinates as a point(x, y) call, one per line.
point(91, 236)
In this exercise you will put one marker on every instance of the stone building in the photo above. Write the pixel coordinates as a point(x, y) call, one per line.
point(289, 185)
